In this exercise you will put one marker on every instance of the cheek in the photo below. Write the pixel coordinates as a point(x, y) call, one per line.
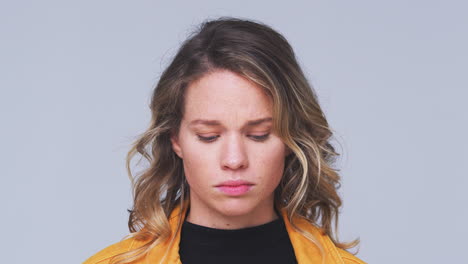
point(271, 162)
point(197, 166)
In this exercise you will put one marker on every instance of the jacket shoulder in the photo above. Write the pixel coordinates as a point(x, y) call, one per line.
point(103, 256)
point(349, 258)
point(333, 250)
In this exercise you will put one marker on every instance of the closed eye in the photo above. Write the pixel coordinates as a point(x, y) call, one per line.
point(261, 138)
point(213, 138)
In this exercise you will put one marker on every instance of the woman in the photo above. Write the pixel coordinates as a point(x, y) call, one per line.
point(240, 160)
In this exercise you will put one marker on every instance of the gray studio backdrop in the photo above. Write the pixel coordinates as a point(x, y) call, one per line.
point(75, 82)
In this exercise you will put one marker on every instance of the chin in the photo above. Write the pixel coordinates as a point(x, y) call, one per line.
point(235, 208)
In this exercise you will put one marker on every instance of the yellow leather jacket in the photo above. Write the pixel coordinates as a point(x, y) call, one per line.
point(306, 252)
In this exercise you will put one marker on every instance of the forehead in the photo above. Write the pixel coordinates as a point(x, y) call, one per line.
point(224, 95)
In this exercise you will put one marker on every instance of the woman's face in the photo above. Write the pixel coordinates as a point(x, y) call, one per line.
point(233, 161)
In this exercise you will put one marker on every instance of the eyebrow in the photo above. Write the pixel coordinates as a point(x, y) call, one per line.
point(250, 123)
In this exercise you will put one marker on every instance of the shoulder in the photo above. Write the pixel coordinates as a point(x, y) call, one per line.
point(345, 256)
point(349, 258)
point(107, 253)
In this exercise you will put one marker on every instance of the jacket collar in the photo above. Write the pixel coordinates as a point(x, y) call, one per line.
point(304, 249)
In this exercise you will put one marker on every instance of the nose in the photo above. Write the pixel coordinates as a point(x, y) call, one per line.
point(233, 153)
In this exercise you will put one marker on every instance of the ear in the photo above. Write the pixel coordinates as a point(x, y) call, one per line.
point(175, 144)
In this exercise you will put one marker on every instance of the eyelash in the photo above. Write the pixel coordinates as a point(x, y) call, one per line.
point(213, 138)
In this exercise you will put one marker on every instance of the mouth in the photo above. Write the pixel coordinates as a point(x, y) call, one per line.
point(235, 188)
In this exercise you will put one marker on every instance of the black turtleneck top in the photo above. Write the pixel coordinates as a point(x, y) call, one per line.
point(267, 243)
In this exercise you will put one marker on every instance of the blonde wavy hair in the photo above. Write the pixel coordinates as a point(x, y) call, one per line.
point(259, 53)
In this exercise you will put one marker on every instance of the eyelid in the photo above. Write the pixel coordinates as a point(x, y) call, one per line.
point(210, 139)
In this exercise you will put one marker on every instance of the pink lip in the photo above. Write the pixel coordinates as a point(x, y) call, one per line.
point(234, 188)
